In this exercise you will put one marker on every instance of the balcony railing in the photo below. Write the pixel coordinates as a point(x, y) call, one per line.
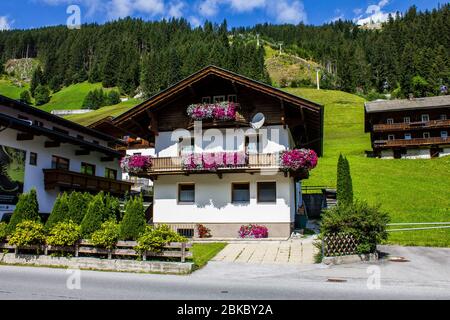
point(411, 142)
point(77, 181)
point(411, 126)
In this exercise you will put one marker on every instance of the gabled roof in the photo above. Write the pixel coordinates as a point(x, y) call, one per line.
point(27, 109)
point(406, 104)
point(225, 74)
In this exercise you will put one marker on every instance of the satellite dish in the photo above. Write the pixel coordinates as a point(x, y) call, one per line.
point(258, 121)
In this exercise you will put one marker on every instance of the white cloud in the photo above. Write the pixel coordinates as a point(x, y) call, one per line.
point(339, 15)
point(152, 7)
point(209, 8)
point(176, 9)
point(194, 21)
point(288, 12)
point(374, 13)
point(247, 5)
point(4, 23)
point(119, 9)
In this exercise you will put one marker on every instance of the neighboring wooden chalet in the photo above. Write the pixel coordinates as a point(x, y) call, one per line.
point(257, 191)
point(43, 151)
point(415, 128)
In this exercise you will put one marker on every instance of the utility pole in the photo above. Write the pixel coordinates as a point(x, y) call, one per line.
point(318, 78)
point(281, 47)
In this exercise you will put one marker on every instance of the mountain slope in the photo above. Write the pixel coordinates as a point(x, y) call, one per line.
point(410, 190)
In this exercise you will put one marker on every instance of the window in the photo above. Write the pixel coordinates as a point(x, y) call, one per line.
point(391, 137)
point(206, 100)
point(407, 136)
point(137, 154)
point(218, 99)
point(232, 98)
point(240, 192)
point(60, 163)
point(88, 169)
point(426, 135)
point(444, 134)
point(60, 130)
point(186, 193)
point(186, 145)
point(267, 192)
point(390, 121)
point(33, 158)
point(443, 117)
point(253, 144)
point(111, 174)
point(406, 119)
point(425, 118)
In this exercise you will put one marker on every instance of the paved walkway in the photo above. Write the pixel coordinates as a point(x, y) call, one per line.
point(269, 252)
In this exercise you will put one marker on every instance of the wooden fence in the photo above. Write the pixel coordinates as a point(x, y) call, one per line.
point(179, 250)
point(339, 244)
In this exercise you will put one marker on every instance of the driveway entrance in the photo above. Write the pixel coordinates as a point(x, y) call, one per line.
point(269, 252)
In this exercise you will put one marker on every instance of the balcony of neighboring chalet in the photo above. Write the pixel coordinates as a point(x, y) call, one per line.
point(416, 142)
point(409, 126)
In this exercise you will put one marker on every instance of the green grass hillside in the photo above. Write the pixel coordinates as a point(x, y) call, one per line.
point(410, 190)
point(9, 89)
point(91, 117)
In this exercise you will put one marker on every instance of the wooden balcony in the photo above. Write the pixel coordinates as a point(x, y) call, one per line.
point(255, 163)
point(69, 180)
point(436, 141)
point(411, 126)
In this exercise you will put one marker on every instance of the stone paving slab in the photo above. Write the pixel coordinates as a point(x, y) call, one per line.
point(292, 252)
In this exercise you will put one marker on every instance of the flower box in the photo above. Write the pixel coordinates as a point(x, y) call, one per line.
point(253, 231)
point(223, 111)
point(298, 160)
point(213, 161)
point(135, 164)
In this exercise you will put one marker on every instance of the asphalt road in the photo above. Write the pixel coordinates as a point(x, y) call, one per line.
point(426, 276)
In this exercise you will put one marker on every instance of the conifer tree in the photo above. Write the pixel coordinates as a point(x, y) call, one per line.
point(27, 208)
point(60, 211)
point(133, 223)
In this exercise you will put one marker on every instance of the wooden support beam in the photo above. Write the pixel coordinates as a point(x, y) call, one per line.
point(107, 159)
point(25, 136)
point(83, 152)
point(52, 144)
point(283, 114)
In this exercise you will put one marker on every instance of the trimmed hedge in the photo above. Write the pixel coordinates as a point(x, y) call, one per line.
point(133, 223)
point(27, 208)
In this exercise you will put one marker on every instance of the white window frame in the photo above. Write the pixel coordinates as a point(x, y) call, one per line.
point(234, 96)
point(444, 134)
point(390, 121)
point(443, 117)
point(425, 116)
point(221, 98)
point(391, 137)
point(407, 119)
point(408, 136)
point(426, 135)
point(206, 100)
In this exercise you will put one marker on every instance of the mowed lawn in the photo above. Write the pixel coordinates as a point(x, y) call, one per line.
point(10, 90)
point(410, 190)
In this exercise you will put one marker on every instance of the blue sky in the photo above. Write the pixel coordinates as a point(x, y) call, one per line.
point(24, 14)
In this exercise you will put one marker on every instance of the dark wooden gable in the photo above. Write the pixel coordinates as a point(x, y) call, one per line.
point(167, 110)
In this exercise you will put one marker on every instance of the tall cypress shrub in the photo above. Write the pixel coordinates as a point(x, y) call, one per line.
point(133, 223)
point(93, 219)
point(344, 182)
point(27, 208)
point(78, 204)
point(60, 211)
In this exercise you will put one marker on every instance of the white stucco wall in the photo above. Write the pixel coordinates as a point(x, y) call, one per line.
point(34, 176)
point(417, 154)
point(278, 139)
point(213, 200)
point(445, 152)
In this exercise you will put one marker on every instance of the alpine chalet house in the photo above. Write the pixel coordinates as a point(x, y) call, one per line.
point(410, 129)
point(229, 152)
point(42, 151)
